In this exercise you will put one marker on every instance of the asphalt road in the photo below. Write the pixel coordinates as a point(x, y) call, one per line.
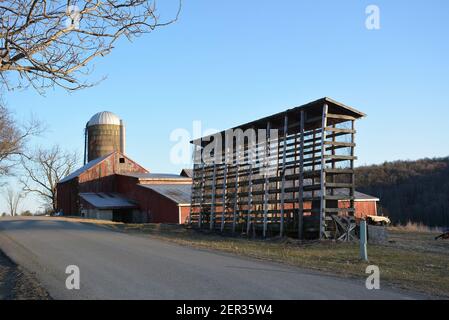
point(114, 265)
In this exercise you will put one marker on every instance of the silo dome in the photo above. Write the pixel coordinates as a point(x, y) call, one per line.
point(104, 118)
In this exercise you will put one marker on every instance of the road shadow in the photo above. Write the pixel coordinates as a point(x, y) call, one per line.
point(30, 224)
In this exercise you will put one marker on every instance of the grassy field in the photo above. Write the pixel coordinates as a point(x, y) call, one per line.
point(411, 260)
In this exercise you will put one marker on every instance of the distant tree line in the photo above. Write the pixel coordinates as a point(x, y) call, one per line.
point(416, 191)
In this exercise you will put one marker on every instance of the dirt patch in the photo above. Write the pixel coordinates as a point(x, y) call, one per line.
point(17, 284)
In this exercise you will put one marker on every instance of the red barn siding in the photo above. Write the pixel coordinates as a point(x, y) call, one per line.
point(67, 197)
point(158, 208)
point(154, 206)
point(185, 212)
point(362, 208)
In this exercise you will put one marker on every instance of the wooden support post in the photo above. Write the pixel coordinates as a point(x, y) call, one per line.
point(266, 184)
point(334, 138)
point(352, 190)
point(212, 206)
point(323, 174)
point(250, 199)
point(192, 193)
point(301, 178)
point(223, 214)
point(196, 181)
point(203, 183)
point(236, 197)
point(313, 156)
point(284, 157)
point(275, 219)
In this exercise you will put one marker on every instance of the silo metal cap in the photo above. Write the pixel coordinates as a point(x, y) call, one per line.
point(104, 117)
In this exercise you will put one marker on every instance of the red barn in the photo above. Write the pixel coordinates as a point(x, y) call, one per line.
point(364, 204)
point(114, 187)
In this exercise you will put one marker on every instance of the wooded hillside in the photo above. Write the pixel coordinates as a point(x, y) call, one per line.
point(410, 190)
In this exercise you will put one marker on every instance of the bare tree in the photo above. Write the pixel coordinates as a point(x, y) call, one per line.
point(49, 42)
point(13, 199)
point(44, 169)
point(13, 139)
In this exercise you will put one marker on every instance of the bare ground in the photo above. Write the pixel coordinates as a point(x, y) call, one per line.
point(17, 284)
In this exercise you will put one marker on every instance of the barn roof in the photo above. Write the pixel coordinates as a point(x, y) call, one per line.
point(153, 176)
point(104, 200)
point(359, 196)
point(179, 193)
point(93, 163)
point(84, 168)
point(187, 173)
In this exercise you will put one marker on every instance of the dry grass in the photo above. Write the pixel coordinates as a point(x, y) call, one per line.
point(416, 227)
point(411, 260)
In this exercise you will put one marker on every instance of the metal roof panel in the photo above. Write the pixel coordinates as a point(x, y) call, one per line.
point(179, 193)
point(104, 200)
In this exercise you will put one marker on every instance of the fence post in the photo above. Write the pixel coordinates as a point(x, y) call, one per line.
point(363, 241)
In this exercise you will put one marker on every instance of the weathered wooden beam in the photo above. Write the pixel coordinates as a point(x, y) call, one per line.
point(339, 130)
point(223, 213)
point(250, 201)
point(352, 190)
point(340, 117)
point(323, 173)
point(192, 192)
point(212, 206)
point(301, 178)
point(339, 144)
point(266, 184)
point(333, 163)
point(284, 156)
point(236, 196)
point(203, 184)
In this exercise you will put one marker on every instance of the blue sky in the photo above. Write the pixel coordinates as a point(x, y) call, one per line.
point(229, 62)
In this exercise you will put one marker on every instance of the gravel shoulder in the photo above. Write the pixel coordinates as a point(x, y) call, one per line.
point(18, 284)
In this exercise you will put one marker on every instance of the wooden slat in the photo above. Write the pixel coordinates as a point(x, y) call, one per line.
point(340, 116)
point(339, 130)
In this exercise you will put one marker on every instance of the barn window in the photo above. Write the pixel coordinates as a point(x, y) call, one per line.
point(122, 160)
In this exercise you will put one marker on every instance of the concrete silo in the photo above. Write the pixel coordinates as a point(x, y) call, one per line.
point(105, 133)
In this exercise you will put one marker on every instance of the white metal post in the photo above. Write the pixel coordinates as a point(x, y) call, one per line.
point(363, 241)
